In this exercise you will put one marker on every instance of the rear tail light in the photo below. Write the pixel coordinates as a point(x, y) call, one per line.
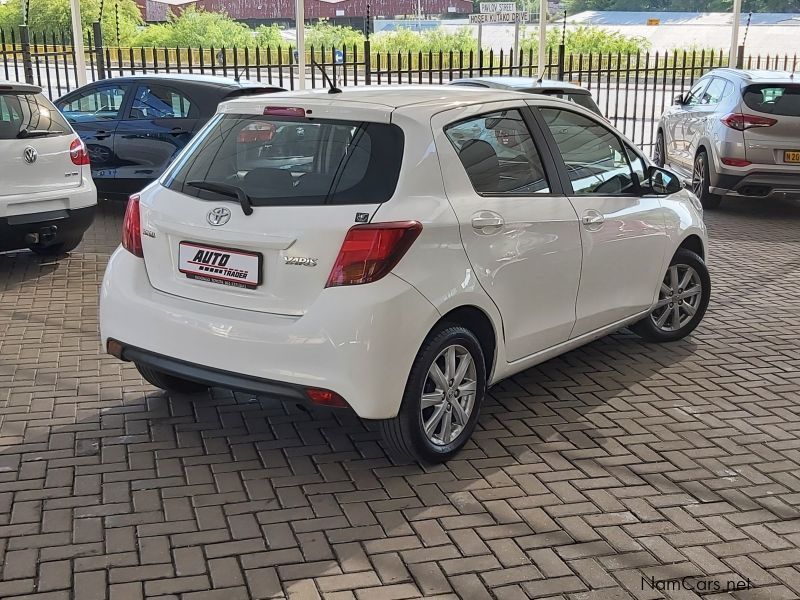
point(326, 398)
point(256, 133)
point(285, 111)
point(370, 251)
point(132, 228)
point(741, 122)
point(77, 152)
point(736, 162)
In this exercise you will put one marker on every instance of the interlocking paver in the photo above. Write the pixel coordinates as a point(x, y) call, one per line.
point(616, 462)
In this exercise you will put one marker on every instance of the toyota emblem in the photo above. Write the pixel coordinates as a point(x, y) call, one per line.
point(30, 155)
point(218, 216)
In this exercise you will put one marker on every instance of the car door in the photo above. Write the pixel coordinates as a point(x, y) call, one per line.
point(697, 118)
point(94, 112)
point(520, 232)
point(623, 232)
point(160, 122)
point(690, 111)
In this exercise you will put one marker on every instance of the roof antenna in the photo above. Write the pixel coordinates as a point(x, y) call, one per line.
point(239, 74)
point(332, 89)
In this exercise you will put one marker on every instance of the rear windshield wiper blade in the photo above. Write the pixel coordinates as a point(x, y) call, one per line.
point(228, 190)
point(29, 133)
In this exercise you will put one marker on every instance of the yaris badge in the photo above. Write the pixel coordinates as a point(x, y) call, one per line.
point(218, 216)
point(30, 155)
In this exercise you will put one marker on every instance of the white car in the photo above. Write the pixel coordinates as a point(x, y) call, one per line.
point(47, 197)
point(397, 251)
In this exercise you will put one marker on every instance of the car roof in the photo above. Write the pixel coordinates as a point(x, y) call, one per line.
point(395, 96)
point(528, 84)
point(759, 76)
point(14, 86)
point(194, 78)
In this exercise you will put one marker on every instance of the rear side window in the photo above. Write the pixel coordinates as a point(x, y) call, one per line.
point(29, 115)
point(159, 102)
point(775, 99)
point(280, 161)
point(584, 100)
point(498, 154)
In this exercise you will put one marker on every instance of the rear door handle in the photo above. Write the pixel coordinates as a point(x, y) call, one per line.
point(487, 219)
point(178, 131)
point(101, 135)
point(592, 219)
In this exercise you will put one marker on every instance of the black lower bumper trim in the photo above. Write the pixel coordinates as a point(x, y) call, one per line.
point(213, 377)
point(59, 225)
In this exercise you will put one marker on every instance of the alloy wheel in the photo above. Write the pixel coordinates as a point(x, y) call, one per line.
point(448, 396)
point(698, 176)
point(678, 299)
point(658, 157)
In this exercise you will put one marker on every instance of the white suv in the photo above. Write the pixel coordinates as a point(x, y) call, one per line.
point(396, 251)
point(47, 197)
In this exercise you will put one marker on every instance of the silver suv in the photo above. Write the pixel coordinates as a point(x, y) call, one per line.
point(735, 134)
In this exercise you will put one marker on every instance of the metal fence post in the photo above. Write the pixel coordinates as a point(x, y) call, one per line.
point(27, 63)
point(97, 34)
point(740, 57)
point(367, 63)
point(562, 51)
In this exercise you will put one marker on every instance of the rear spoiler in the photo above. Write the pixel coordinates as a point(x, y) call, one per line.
point(252, 91)
point(19, 88)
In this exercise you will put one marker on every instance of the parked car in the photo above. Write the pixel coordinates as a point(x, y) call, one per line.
point(397, 251)
point(134, 126)
point(531, 85)
point(735, 134)
point(47, 198)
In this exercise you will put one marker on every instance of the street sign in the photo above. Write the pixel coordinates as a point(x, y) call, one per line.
point(499, 17)
point(498, 7)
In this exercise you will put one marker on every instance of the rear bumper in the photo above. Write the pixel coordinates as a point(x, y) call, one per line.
point(51, 227)
point(757, 184)
point(358, 341)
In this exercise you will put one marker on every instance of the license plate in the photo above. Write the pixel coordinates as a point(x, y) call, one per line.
point(223, 266)
point(791, 156)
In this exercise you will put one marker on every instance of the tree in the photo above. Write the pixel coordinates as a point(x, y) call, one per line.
point(53, 16)
point(194, 29)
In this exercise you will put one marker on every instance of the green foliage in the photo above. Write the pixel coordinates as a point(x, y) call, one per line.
point(53, 16)
point(323, 34)
point(583, 40)
point(270, 35)
point(432, 40)
point(196, 28)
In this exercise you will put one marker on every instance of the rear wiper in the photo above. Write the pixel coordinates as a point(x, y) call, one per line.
point(228, 190)
point(29, 133)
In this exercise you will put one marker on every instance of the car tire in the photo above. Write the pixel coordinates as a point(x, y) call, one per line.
point(685, 269)
point(68, 245)
point(168, 382)
point(659, 158)
point(450, 413)
point(701, 181)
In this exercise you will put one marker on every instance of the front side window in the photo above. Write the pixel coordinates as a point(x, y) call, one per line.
point(695, 95)
point(593, 154)
point(498, 154)
point(29, 115)
point(714, 92)
point(279, 161)
point(97, 104)
point(159, 102)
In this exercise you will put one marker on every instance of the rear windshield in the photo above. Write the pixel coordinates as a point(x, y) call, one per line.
point(773, 98)
point(290, 160)
point(29, 115)
point(584, 100)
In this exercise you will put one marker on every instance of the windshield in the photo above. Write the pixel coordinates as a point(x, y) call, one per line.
point(286, 160)
point(29, 115)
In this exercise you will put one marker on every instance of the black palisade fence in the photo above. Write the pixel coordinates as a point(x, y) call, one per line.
point(632, 90)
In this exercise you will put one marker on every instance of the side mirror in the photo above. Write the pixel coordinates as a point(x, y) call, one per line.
point(679, 99)
point(662, 182)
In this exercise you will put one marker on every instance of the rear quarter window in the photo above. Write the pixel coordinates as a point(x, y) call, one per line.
point(29, 115)
point(774, 99)
point(285, 160)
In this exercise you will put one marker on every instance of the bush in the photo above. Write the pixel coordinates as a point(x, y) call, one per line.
point(270, 35)
point(585, 40)
point(195, 29)
point(323, 34)
point(432, 40)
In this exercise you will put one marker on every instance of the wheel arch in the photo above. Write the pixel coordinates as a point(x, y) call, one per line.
point(694, 243)
point(478, 322)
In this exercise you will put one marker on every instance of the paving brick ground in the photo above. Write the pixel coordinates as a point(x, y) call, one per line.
point(614, 465)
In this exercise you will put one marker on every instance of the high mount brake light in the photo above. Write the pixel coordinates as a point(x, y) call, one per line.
point(285, 111)
point(371, 251)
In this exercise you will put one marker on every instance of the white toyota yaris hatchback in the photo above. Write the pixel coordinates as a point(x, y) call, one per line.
point(397, 251)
